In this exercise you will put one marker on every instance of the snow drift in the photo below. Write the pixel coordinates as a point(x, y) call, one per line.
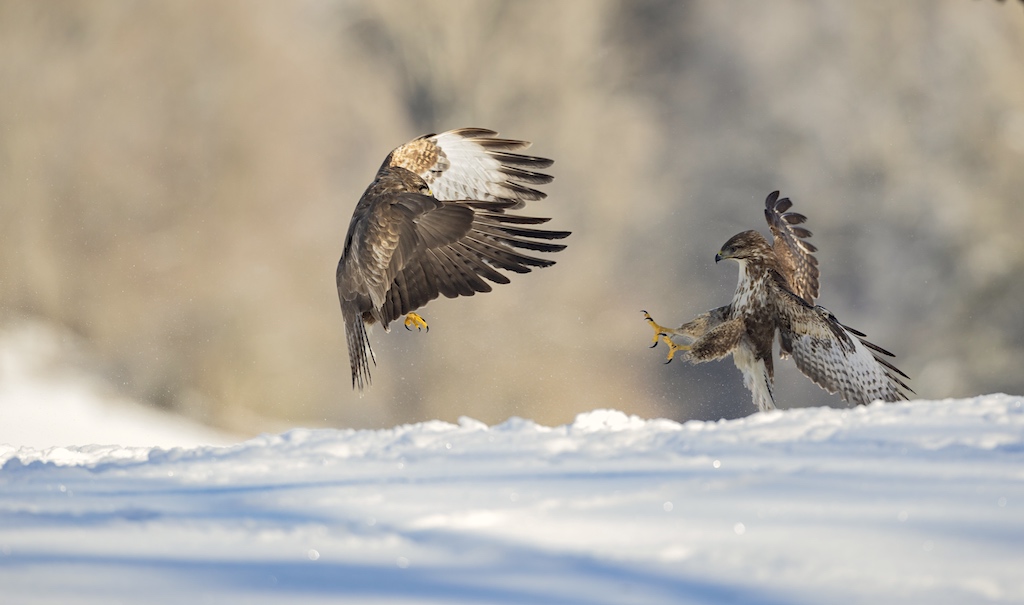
point(897, 503)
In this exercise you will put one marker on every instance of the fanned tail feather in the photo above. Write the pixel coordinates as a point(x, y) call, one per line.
point(359, 352)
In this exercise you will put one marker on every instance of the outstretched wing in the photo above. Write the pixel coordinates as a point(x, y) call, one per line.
point(473, 164)
point(404, 253)
point(798, 265)
point(837, 358)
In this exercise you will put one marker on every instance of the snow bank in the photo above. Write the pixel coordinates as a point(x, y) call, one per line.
point(898, 503)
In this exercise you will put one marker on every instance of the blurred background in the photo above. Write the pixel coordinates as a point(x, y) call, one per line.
point(176, 180)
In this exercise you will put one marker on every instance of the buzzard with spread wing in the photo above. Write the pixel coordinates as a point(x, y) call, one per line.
point(434, 222)
point(778, 283)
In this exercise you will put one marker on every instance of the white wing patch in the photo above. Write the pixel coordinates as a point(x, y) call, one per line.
point(472, 174)
point(473, 164)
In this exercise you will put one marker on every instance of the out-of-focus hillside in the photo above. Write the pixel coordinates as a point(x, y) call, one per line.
point(176, 180)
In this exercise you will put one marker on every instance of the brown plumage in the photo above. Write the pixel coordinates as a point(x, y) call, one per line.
point(777, 286)
point(434, 222)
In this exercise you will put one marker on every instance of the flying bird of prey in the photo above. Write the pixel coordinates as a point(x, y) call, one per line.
point(777, 286)
point(433, 222)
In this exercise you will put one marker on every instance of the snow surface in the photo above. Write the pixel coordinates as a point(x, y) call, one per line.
point(919, 502)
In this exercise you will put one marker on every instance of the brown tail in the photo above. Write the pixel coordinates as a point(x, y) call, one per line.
point(359, 352)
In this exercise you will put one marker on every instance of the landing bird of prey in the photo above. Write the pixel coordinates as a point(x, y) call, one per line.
point(777, 286)
point(434, 222)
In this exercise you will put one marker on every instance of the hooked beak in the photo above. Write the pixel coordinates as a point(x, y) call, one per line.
point(718, 257)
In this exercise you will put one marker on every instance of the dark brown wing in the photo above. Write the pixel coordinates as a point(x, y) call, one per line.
point(390, 227)
point(389, 232)
point(796, 260)
point(837, 358)
point(464, 267)
point(473, 164)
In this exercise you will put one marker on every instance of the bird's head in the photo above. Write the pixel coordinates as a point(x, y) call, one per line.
point(743, 247)
point(395, 179)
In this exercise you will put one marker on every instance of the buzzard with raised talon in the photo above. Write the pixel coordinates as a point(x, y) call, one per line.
point(434, 222)
point(777, 286)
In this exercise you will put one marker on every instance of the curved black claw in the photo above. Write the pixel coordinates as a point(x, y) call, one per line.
point(649, 319)
point(668, 362)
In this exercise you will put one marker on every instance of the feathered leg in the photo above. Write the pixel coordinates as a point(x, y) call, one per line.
point(693, 329)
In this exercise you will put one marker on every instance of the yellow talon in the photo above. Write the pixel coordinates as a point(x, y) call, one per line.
point(662, 331)
point(673, 347)
point(658, 329)
point(412, 319)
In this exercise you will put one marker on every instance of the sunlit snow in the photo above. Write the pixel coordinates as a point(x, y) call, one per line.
point(917, 502)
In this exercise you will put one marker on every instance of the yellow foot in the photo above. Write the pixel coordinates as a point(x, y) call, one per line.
point(673, 347)
point(658, 330)
point(412, 319)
